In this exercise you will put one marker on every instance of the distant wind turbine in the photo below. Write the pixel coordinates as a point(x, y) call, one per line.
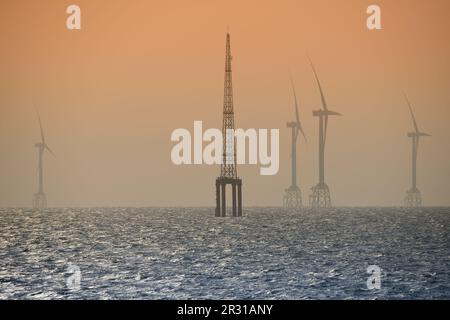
point(40, 199)
point(413, 196)
point(293, 196)
point(320, 197)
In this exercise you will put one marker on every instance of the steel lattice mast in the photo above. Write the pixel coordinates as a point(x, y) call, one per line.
point(228, 167)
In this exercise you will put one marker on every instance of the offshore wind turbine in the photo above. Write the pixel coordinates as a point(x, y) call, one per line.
point(293, 195)
point(320, 197)
point(40, 199)
point(413, 196)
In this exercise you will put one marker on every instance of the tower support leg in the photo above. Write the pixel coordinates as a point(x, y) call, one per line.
point(236, 196)
point(224, 202)
point(39, 201)
point(217, 198)
point(320, 197)
point(413, 198)
point(292, 198)
point(233, 194)
point(239, 198)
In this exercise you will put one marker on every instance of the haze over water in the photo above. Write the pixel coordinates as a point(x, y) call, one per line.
point(111, 94)
point(152, 253)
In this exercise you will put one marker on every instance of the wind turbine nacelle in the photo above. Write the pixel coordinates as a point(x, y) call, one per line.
point(318, 113)
point(292, 124)
point(418, 134)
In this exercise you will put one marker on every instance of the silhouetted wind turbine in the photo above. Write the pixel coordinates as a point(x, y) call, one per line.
point(413, 196)
point(320, 197)
point(293, 196)
point(40, 199)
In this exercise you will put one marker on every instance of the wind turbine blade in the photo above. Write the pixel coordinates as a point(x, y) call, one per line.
point(297, 116)
point(412, 114)
point(333, 113)
point(324, 103)
point(49, 150)
point(40, 126)
point(299, 128)
point(295, 100)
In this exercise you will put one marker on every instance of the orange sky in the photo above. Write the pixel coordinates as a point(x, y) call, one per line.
point(111, 94)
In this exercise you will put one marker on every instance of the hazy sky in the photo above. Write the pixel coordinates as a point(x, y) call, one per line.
point(111, 94)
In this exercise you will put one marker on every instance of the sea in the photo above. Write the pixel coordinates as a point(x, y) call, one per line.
point(187, 253)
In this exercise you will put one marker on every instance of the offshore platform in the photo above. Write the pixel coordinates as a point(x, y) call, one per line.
point(228, 169)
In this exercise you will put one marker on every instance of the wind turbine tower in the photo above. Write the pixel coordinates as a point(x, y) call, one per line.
point(293, 195)
point(40, 199)
point(320, 197)
point(413, 196)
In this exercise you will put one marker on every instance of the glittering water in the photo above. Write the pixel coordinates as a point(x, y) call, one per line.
point(178, 253)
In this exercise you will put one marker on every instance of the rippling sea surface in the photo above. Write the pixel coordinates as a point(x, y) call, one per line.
point(182, 253)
